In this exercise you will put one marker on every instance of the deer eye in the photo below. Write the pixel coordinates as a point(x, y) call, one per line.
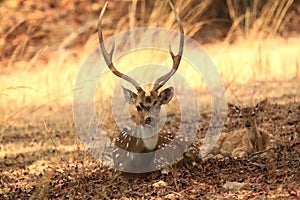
point(241, 116)
point(138, 108)
point(253, 114)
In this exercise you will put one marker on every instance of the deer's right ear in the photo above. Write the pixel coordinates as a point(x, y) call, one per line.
point(233, 109)
point(130, 96)
point(261, 106)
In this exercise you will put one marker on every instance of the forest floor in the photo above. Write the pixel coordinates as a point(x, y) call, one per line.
point(44, 157)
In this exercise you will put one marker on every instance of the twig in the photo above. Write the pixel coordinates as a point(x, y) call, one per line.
point(257, 164)
point(68, 40)
point(259, 152)
point(48, 133)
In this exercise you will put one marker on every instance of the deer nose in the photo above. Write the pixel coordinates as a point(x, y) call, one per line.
point(247, 124)
point(149, 120)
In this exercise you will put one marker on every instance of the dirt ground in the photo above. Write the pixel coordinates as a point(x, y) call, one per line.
point(42, 157)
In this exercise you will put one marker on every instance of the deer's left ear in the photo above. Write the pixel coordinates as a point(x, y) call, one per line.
point(166, 95)
point(261, 106)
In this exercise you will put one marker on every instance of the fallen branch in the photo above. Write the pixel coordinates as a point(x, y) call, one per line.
point(253, 155)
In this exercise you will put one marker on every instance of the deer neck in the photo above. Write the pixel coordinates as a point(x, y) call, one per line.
point(253, 133)
point(149, 137)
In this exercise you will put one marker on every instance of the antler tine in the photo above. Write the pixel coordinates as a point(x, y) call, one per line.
point(108, 55)
point(176, 59)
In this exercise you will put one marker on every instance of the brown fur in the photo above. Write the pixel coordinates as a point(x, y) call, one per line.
point(243, 142)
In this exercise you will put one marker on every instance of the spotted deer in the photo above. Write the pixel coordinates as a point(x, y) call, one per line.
point(243, 142)
point(144, 110)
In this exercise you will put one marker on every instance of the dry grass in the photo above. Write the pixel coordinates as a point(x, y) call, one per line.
point(257, 18)
point(244, 62)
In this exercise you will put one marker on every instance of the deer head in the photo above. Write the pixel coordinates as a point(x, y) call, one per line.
point(145, 108)
point(248, 115)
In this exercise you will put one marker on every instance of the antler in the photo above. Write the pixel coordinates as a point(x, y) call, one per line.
point(176, 59)
point(108, 55)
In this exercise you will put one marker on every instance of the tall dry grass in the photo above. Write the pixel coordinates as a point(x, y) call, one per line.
point(258, 18)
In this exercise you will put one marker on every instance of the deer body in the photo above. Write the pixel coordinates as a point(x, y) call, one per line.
point(243, 142)
point(144, 110)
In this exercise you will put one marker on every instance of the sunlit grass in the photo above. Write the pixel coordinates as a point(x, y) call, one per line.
point(241, 63)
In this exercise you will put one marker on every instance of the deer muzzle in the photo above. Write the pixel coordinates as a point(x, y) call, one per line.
point(150, 121)
point(248, 124)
